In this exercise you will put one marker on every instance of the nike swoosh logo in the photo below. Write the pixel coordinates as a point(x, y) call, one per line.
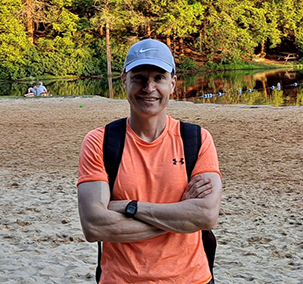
point(147, 49)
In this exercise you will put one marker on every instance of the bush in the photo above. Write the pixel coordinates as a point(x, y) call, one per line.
point(186, 63)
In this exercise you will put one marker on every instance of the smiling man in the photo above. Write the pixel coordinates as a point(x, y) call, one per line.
point(150, 222)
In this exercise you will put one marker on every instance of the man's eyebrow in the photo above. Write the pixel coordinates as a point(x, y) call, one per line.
point(137, 74)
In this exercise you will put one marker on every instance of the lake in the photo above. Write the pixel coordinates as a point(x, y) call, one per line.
point(275, 87)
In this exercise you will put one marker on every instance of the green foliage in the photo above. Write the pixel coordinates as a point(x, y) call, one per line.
point(69, 35)
point(61, 57)
point(66, 23)
point(299, 101)
point(240, 65)
point(13, 40)
point(119, 51)
point(186, 63)
point(277, 98)
point(263, 24)
point(180, 18)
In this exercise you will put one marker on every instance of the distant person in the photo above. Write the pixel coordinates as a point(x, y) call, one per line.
point(31, 92)
point(41, 90)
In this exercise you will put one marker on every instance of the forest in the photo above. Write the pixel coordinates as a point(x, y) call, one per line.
point(91, 37)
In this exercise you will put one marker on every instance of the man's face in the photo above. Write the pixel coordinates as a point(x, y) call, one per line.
point(149, 89)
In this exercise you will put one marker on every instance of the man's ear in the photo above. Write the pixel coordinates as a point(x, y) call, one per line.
point(173, 83)
point(123, 76)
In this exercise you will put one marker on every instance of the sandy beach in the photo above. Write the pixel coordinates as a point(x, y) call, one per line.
point(260, 229)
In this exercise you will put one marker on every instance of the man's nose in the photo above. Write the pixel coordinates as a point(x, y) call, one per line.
point(149, 86)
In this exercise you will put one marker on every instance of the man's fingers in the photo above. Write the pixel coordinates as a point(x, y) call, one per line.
point(196, 190)
point(204, 193)
point(198, 179)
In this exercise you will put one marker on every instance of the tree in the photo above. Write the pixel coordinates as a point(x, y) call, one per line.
point(108, 17)
point(290, 18)
point(262, 24)
point(138, 17)
point(224, 30)
point(33, 13)
point(177, 19)
point(13, 40)
point(29, 21)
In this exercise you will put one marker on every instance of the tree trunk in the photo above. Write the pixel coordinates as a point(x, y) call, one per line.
point(181, 47)
point(200, 41)
point(262, 48)
point(108, 51)
point(262, 53)
point(110, 87)
point(109, 59)
point(148, 31)
point(168, 41)
point(264, 88)
point(29, 21)
point(174, 45)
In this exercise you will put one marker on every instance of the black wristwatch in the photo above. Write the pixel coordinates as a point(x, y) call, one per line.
point(131, 209)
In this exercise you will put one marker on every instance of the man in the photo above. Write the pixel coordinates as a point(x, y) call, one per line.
point(31, 92)
point(160, 241)
point(41, 90)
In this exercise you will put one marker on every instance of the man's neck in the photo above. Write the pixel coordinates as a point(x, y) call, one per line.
point(148, 128)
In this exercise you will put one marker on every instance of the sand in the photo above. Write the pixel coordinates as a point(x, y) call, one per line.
point(260, 229)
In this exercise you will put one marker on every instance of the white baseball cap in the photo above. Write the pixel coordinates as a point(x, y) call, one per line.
point(150, 52)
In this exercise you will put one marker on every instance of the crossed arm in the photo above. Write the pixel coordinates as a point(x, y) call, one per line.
point(104, 220)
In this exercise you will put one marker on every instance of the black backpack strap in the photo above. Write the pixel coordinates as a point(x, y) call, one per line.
point(191, 135)
point(113, 144)
point(210, 246)
point(99, 269)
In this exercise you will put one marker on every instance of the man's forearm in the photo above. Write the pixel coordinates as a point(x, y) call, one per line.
point(118, 228)
point(99, 223)
point(183, 217)
point(187, 216)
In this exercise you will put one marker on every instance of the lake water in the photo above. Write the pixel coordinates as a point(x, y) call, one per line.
point(275, 87)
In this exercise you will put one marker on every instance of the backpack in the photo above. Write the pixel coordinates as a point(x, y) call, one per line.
point(113, 145)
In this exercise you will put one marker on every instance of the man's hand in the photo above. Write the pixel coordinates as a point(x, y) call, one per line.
point(198, 187)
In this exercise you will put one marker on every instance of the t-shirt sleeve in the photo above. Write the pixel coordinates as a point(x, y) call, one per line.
point(208, 157)
point(91, 165)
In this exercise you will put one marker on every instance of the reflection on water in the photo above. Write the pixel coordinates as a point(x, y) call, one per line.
point(62, 87)
point(277, 88)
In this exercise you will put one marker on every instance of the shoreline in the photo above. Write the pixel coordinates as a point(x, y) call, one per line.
point(3, 98)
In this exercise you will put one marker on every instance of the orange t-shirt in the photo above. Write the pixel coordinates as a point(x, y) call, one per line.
point(153, 172)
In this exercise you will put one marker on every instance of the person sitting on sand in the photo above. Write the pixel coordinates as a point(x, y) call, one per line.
point(41, 90)
point(31, 92)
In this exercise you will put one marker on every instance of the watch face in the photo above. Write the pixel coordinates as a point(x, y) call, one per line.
point(131, 209)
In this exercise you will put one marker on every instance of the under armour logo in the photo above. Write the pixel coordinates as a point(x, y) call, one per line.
point(175, 162)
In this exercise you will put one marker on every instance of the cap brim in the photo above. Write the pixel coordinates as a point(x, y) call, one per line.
point(152, 62)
